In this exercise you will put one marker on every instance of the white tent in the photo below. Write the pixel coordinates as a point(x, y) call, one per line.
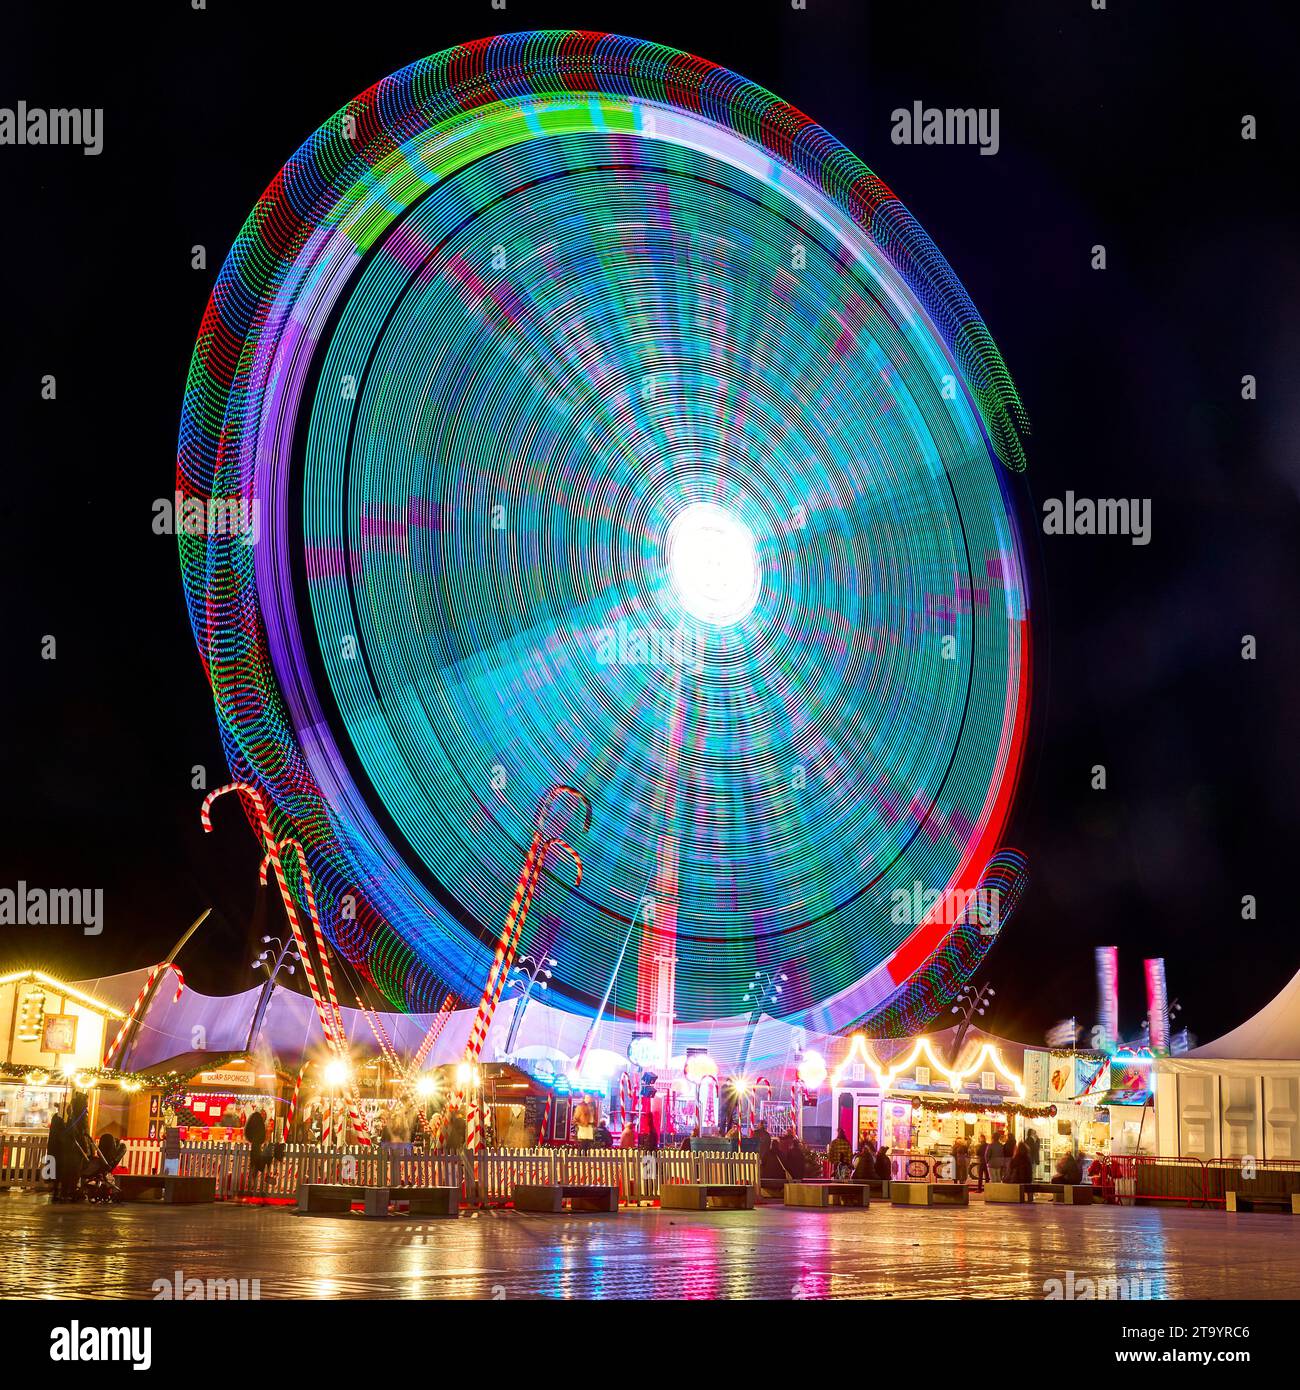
point(1273, 1034)
point(1240, 1094)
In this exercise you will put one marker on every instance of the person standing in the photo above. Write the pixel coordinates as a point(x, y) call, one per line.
point(840, 1155)
point(997, 1159)
point(455, 1137)
point(981, 1163)
point(793, 1157)
point(1020, 1169)
point(171, 1150)
point(1032, 1144)
point(584, 1124)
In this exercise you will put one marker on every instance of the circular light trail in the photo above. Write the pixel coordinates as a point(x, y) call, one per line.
point(609, 423)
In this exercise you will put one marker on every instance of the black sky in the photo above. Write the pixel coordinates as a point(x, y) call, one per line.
point(1119, 127)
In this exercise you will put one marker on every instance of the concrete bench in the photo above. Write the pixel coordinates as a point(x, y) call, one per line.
point(1070, 1195)
point(1004, 1191)
point(578, 1197)
point(336, 1199)
point(168, 1187)
point(703, 1196)
point(426, 1201)
point(828, 1194)
point(928, 1194)
point(1262, 1201)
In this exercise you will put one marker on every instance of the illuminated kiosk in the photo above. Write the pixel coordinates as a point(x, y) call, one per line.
point(610, 424)
point(913, 1097)
point(54, 1037)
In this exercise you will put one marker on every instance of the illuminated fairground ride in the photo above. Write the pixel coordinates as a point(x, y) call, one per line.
point(609, 424)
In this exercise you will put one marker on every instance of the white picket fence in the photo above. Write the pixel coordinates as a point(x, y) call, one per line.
point(21, 1156)
point(638, 1176)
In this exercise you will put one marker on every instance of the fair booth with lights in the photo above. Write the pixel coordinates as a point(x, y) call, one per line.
point(909, 1096)
point(53, 1040)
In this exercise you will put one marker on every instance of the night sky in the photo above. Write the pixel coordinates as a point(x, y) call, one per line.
point(1120, 127)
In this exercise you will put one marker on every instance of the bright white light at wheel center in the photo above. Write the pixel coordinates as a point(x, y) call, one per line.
point(712, 563)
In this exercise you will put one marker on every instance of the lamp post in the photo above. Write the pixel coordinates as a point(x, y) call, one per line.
point(526, 973)
point(285, 954)
point(765, 986)
point(970, 1001)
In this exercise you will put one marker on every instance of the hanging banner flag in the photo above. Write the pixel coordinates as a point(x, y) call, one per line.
point(1157, 1004)
point(1108, 996)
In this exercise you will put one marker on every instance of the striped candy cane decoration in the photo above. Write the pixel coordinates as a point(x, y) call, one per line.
point(293, 1103)
point(754, 1102)
point(509, 942)
point(384, 1042)
point(304, 875)
point(708, 1101)
point(412, 1072)
point(627, 1099)
point(543, 1133)
point(272, 852)
point(474, 1129)
point(153, 974)
point(130, 1018)
point(435, 1028)
point(331, 1019)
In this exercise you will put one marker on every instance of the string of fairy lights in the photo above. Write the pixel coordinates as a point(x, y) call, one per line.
point(611, 424)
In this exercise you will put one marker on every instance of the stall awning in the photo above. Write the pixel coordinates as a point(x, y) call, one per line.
point(1123, 1096)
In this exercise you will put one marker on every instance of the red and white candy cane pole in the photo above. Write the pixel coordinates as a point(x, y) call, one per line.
point(130, 1018)
point(293, 1103)
point(435, 1028)
point(412, 1072)
point(272, 852)
point(330, 1018)
point(709, 1088)
point(381, 1036)
point(145, 990)
point(331, 995)
point(626, 1100)
point(510, 933)
point(509, 942)
point(506, 953)
point(796, 1106)
point(543, 1132)
point(309, 892)
point(753, 1098)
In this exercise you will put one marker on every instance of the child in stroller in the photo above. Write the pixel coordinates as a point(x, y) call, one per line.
point(97, 1183)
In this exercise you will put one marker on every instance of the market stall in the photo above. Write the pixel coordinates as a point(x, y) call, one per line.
point(53, 1037)
point(930, 1110)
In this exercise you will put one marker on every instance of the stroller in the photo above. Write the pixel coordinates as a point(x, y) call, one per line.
point(97, 1182)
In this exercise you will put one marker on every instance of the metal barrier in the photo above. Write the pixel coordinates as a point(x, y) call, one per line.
point(1157, 1179)
point(1266, 1180)
point(1197, 1182)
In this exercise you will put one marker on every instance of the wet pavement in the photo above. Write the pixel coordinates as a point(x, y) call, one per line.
point(49, 1251)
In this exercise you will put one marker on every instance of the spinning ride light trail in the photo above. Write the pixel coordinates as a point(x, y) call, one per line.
point(612, 423)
